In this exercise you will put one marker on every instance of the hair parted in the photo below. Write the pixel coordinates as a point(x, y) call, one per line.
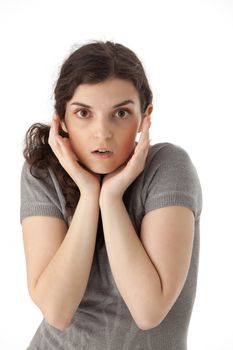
point(89, 64)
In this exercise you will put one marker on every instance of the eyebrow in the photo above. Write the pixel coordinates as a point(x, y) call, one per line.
point(117, 105)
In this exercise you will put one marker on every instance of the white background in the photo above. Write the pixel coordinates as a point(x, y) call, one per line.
point(186, 47)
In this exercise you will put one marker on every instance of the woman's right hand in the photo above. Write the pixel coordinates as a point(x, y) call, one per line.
point(86, 181)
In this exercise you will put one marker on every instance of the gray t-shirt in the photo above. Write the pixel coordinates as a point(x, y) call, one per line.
point(102, 320)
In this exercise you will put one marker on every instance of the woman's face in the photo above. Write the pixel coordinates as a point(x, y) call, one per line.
point(103, 116)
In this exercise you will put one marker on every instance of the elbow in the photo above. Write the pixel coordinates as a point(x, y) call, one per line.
point(151, 315)
point(56, 318)
point(57, 322)
point(52, 315)
point(148, 325)
point(150, 321)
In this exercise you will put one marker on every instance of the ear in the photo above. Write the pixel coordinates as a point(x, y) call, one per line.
point(148, 111)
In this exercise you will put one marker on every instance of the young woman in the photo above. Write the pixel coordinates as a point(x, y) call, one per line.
point(110, 225)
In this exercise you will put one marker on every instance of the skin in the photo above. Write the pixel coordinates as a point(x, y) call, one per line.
point(154, 263)
point(103, 126)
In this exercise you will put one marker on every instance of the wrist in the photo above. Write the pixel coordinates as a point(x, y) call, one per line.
point(106, 198)
point(91, 195)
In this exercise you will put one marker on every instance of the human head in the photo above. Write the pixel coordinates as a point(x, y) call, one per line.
point(102, 75)
point(98, 61)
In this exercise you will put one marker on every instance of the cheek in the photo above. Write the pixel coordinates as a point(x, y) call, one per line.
point(77, 141)
point(74, 132)
point(131, 135)
point(128, 142)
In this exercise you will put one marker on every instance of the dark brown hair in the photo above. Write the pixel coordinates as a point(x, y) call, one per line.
point(89, 64)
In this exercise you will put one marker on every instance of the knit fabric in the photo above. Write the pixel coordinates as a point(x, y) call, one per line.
point(102, 320)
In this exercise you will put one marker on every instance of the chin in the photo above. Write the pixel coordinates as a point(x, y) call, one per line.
point(104, 169)
point(101, 170)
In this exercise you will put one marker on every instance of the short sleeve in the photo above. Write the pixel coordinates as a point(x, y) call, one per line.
point(38, 195)
point(172, 179)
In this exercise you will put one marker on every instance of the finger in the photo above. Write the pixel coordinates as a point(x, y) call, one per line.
point(145, 132)
point(54, 130)
point(144, 142)
point(66, 147)
point(51, 132)
point(56, 123)
point(146, 123)
point(52, 127)
point(53, 138)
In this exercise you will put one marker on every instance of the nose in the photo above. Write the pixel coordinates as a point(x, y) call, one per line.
point(102, 130)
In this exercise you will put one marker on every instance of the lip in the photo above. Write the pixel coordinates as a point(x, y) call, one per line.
point(102, 148)
point(103, 155)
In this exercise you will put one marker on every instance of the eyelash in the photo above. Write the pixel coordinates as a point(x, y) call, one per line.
point(119, 110)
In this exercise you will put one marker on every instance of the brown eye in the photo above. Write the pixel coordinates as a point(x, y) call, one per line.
point(122, 113)
point(82, 113)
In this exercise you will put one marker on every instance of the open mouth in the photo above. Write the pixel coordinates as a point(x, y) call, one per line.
point(102, 150)
point(103, 153)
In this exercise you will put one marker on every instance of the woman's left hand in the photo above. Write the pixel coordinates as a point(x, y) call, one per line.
point(114, 184)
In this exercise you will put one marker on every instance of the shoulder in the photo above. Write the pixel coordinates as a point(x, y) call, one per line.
point(40, 193)
point(37, 182)
point(165, 152)
point(171, 177)
point(170, 159)
point(37, 175)
point(30, 171)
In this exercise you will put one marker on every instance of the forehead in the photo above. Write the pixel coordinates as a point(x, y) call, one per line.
point(111, 91)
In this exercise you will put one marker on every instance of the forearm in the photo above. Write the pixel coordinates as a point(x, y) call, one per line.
point(62, 284)
point(135, 275)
